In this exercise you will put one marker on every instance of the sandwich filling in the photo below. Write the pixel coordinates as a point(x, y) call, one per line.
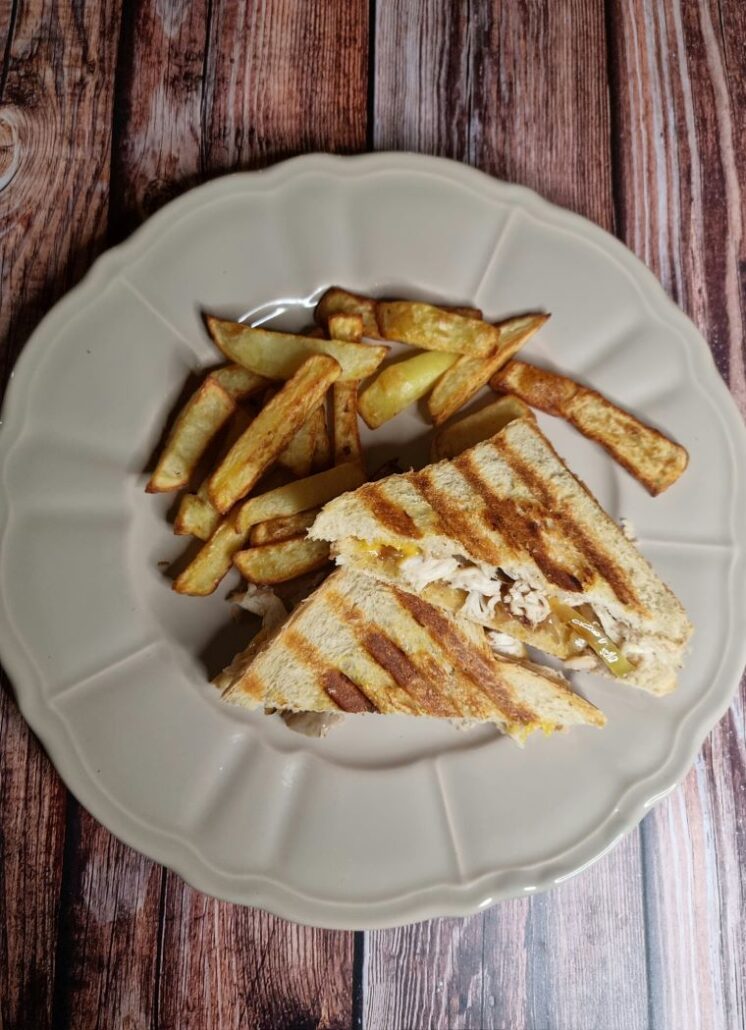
point(584, 636)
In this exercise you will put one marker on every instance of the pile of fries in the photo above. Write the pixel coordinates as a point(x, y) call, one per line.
point(266, 416)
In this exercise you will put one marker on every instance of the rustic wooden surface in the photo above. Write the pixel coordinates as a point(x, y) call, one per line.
point(632, 112)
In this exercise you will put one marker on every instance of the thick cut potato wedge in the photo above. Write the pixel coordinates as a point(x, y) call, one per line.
point(202, 576)
point(204, 414)
point(271, 431)
point(346, 327)
point(280, 355)
point(402, 384)
point(196, 517)
point(648, 455)
point(459, 384)
point(299, 454)
point(347, 446)
point(459, 436)
point(322, 455)
point(337, 301)
point(432, 328)
point(274, 530)
point(239, 382)
point(279, 562)
point(300, 495)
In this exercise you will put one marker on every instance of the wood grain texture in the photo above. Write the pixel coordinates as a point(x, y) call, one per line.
point(283, 78)
point(210, 87)
point(679, 75)
point(56, 86)
point(518, 89)
point(107, 933)
point(231, 967)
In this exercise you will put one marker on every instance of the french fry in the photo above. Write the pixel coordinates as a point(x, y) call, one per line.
point(337, 301)
point(322, 455)
point(432, 328)
point(402, 384)
point(346, 432)
point(298, 456)
point(204, 414)
point(271, 431)
point(451, 440)
point(346, 327)
point(300, 495)
point(280, 355)
point(284, 528)
point(279, 562)
point(196, 517)
point(238, 381)
point(648, 455)
point(203, 574)
point(464, 312)
point(459, 384)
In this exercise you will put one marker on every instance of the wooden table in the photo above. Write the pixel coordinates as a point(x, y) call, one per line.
point(631, 112)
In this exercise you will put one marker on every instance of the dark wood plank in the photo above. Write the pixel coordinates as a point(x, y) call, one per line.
point(56, 84)
point(283, 78)
point(515, 88)
point(519, 90)
point(208, 88)
point(679, 75)
point(32, 831)
point(108, 931)
point(227, 966)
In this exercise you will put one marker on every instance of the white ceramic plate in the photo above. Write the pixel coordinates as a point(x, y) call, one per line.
point(385, 821)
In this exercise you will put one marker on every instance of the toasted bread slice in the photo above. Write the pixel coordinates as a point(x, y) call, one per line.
point(359, 646)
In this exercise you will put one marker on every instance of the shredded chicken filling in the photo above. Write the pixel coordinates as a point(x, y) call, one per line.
point(486, 588)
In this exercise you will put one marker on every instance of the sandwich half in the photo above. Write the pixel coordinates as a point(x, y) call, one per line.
point(360, 646)
point(506, 536)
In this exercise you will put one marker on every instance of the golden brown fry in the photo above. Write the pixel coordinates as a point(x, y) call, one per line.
point(480, 425)
point(274, 530)
point(203, 574)
point(238, 381)
point(322, 455)
point(402, 384)
point(459, 384)
point(271, 431)
point(196, 517)
point(279, 562)
point(338, 301)
point(432, 328)
point(300, 495)
point(648, 455)
point(347, 446)
point(202, 417)
point(298, 456)
point(280, 355)
point(346, 327)
point(463, 311)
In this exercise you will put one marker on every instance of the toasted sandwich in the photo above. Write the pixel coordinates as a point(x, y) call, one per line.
point(506, 536)
point(360, 646)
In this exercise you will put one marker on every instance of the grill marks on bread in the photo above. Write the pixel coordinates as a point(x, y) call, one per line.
point(476, 666)
point(551, 500)
point(389, 514)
